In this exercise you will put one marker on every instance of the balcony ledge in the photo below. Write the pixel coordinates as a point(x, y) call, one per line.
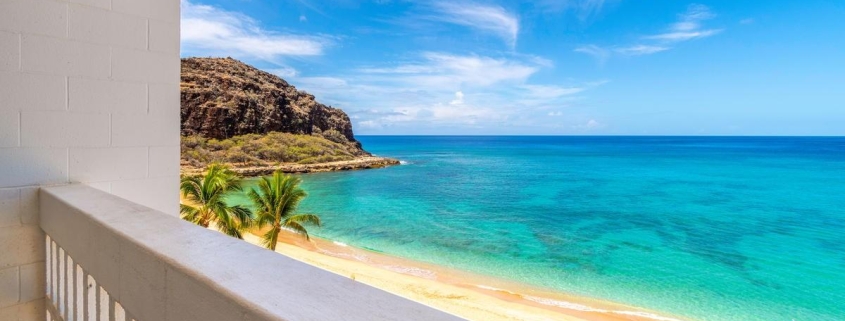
point(159, 267)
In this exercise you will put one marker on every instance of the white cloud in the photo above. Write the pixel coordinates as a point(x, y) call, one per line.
point(210, 31)
point(322, 82)
point(688, 26)
point(369, 124)
point(601, 54)
point(303, 18)
point(459, 99)
point(555, 113)
point(443, 91)
point(640, 50)
point(442, 70)
point(486, 18)
point(683, 35)
point(746, 21)
point(551, 92)
point(284, 72)
point(591, 124)
point(583, 8)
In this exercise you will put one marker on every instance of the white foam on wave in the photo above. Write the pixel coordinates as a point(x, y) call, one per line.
point(423, 273)
point(579, 307)
point(487, 287)
point(356, 257)
point(401, 162)
point(584, 308)
point(340, 243)
point(481, 286)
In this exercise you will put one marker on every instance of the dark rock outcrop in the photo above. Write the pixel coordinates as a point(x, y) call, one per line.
point(223, 97)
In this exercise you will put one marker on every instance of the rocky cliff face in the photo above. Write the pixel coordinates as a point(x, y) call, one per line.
point(223, 97)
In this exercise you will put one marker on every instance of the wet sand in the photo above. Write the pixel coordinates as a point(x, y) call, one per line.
point(464, 294)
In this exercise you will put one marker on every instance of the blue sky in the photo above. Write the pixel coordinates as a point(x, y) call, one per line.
point(580, 67)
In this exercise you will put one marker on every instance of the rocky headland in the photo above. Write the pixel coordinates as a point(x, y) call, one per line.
point(257, 122)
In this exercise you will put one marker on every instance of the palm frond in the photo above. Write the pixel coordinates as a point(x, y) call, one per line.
point(208, 193)
point(243, 215)
point(276, 199)
point(305, 218)
point(189, 213)
point(297, 228)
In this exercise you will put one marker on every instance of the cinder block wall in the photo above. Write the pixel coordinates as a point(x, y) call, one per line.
point(89, 93)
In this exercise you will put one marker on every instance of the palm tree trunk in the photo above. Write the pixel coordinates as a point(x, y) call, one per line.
point(277, 228)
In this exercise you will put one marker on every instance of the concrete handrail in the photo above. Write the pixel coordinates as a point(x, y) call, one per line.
point(153, 266)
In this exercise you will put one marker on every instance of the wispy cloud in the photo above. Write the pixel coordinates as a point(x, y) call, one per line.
point(213, 31)
point(637, 50)
point(601, 54)
point(583, 8)
point(311, 6)
point(551, 91)
point(434, 90)
point(591, 124)
point(452, 71)
point(485, 18)
point(284, 72)
point(689, 25)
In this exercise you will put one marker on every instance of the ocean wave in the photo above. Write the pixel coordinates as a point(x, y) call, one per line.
point(356, 257)
point(401, 162)
point(486, 287)
point(340, 243)
point(423, 273)
point(578, 307)
point(584, 308)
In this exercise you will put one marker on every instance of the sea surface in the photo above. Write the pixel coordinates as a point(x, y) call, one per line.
point(707, 228)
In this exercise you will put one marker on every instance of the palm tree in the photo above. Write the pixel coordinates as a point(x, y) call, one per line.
point(275, 202)
point(205, 195)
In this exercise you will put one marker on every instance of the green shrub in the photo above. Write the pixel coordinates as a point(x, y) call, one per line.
point(335, 136)
point(272, 148)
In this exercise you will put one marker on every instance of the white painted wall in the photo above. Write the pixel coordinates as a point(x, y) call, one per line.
point(89, 92)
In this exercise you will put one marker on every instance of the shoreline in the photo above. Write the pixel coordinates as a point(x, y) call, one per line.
point(364, 162)
point(464, 294)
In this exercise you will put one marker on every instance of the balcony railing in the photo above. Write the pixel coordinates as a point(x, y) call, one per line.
point(110, 259)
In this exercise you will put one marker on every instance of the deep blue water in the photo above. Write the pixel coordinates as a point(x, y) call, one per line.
point(711, 228)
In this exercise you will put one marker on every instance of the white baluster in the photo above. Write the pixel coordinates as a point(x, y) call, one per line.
point(54, 271)
point(48, 266)
point(90, 298)
point(70, 270)
point(103, 304)
point(80, 294)
point(62, 296)
point(119, 312)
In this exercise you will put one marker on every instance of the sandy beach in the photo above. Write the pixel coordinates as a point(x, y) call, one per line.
point(463, 294)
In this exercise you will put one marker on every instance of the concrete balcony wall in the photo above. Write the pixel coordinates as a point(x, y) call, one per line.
point(124, 261)
point(89, 93)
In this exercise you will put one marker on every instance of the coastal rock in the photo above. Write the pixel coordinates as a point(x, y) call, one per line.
point(223, 97)
point(366, 162)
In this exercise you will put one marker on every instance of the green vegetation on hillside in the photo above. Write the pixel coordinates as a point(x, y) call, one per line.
point(272, 148)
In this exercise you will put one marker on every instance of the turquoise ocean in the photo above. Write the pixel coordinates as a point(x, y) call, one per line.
point(707, 228)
